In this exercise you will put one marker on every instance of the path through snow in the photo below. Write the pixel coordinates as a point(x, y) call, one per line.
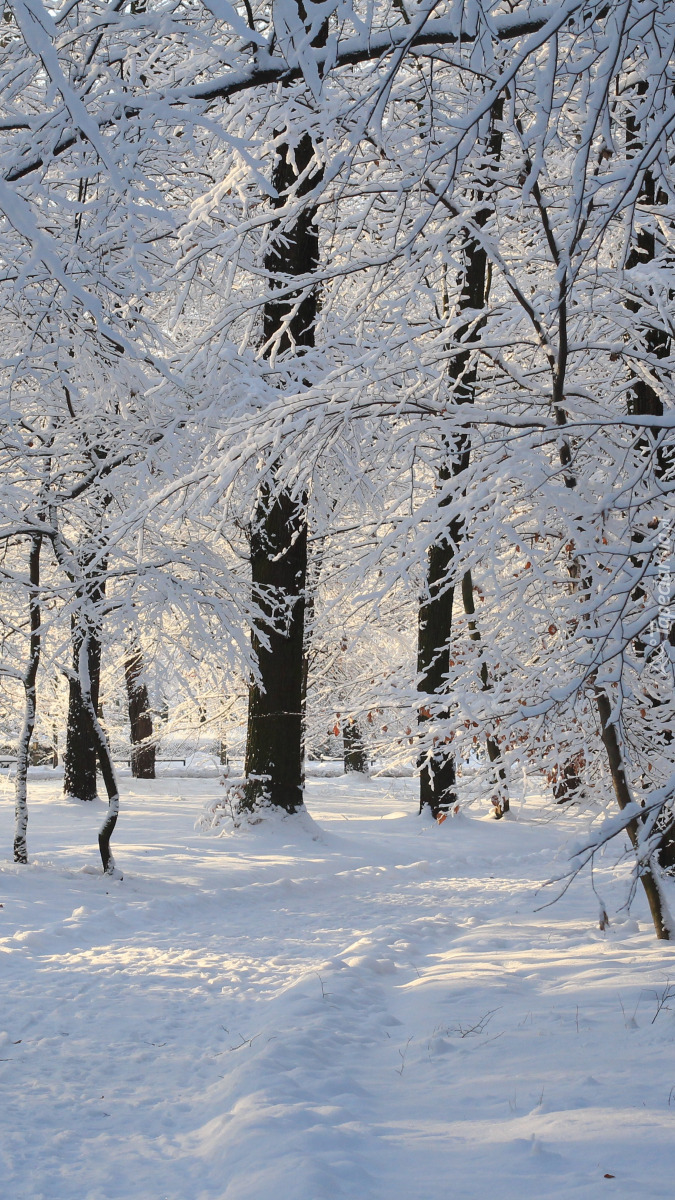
point(365, 1005)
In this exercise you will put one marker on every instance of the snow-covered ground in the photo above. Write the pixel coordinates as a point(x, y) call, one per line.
point(359, 1005)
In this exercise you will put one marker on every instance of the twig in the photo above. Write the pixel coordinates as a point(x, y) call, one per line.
point(402, 1053)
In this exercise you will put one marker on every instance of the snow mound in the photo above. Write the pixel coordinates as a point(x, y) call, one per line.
point(225, 816)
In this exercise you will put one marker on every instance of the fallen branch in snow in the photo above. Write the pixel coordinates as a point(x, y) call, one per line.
point(402, 1053)
point(478, 1028)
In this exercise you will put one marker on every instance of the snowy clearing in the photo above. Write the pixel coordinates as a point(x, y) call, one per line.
point(359, 1003)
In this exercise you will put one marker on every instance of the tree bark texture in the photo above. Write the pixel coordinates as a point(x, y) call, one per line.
point(656, 445)
point(79, 761)
point(30, 704)
point(438, 772)
point(648, 873)
point(274, 739)
point(355, 753)
point(140, 719)
point(500, 798)
point(100, 742)
point(274, 768)
point(312, 574)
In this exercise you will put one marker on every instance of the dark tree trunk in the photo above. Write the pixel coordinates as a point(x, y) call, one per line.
point(655, 445)
point(140, 720)
point(567, 780)
point(644, 400)
point(29, 685)
point(500, 798)
point(274, 737)
point(648, 879)
point(79, 777)
point(355, 753)
point(304, 684)
point(274, 741)
point(437, 773)
point(312, 573)
point(100, 742)
point(437, 767)
point(80, 678)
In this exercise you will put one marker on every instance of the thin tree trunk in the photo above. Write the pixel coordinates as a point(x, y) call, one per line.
point(438, 772)
point(311, 579)
point(89, 651)
point(304, 684)
point(274, 740)
point(313, 575)
point(98, 737)
point(648, 877)
point(612, 744)
point(140, 719)
point(610, 735)
point(644, 400)
point(437, 767)
point(500, 800)
point(29, 685)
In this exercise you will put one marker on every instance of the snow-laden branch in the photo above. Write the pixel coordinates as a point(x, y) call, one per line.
point(270, 68)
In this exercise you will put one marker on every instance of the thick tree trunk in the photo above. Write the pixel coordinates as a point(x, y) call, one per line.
point(29, 685)
point(355, 753)
point(140, 720)
point(274, 767)
point(274, 740)
point(79, 777)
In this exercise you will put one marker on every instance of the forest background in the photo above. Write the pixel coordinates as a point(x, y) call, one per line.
point(337, 396)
